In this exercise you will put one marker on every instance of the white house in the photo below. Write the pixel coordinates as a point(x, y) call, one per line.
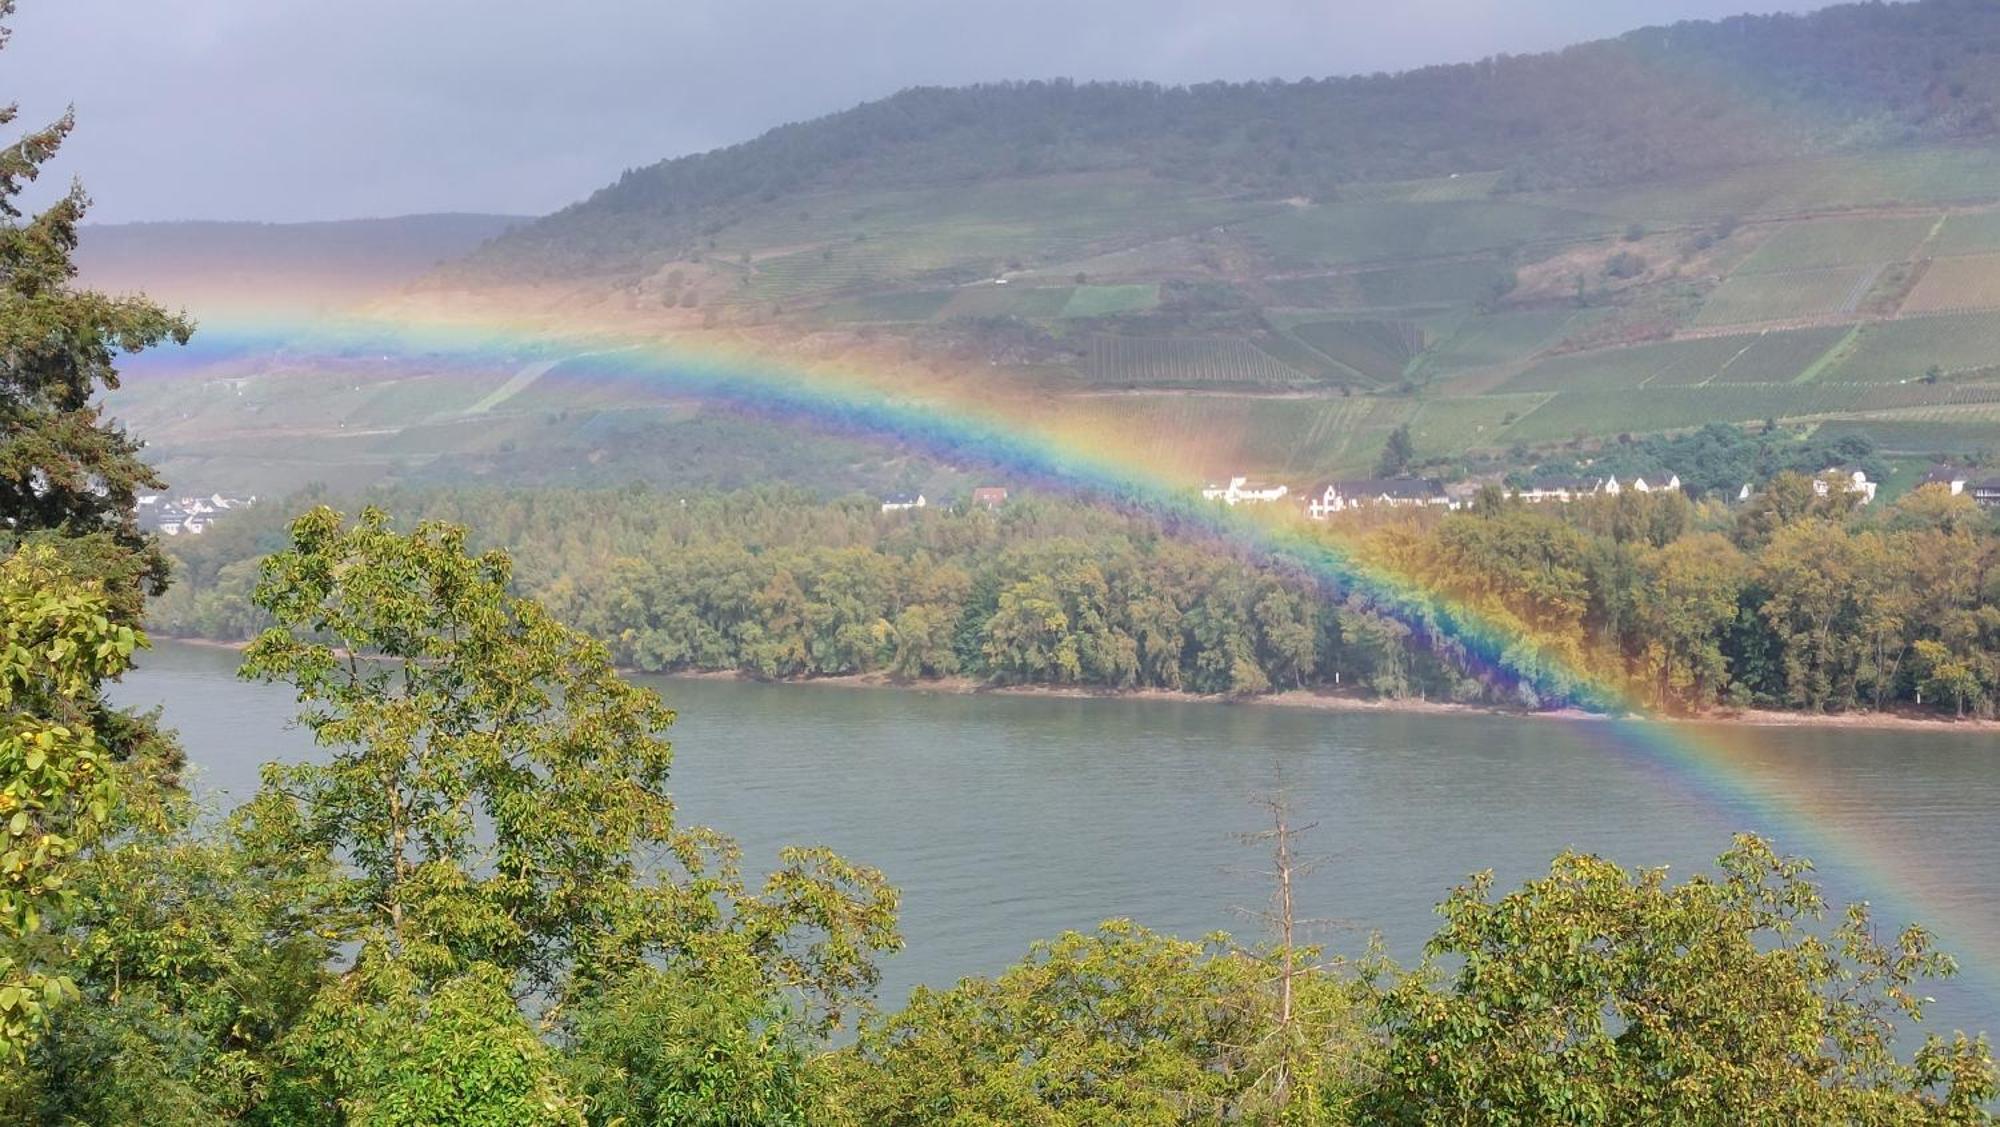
point(1243, 491)
point(1851, 479)
point(903, 502)
point(1389, 492)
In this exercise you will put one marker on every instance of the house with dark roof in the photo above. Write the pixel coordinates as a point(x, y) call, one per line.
point(1954, 478)
point(1382, 492)
point(1986, 493)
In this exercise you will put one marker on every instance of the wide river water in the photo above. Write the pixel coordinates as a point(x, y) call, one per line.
point(1005, 819)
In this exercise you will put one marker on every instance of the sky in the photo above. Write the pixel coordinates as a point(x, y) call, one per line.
point(285, 110)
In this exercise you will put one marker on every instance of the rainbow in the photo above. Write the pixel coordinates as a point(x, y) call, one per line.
point(1030, 446)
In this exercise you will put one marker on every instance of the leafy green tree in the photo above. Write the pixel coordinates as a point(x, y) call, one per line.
point(58, 642)
point(1685, 602)
point(383, 1049)
point(499, 792)
point(1600, 996)
point(1948, 676)
point(713, 1050)
point(194, 958)
point(65, 471)
point(1120, 1026)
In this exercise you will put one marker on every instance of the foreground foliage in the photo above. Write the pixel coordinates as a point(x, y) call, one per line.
point(479, 906)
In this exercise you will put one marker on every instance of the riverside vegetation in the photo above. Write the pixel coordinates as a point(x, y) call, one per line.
point(481, 906)
point(1794, 600)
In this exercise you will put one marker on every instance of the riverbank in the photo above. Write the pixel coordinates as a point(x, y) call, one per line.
point(1323, 700)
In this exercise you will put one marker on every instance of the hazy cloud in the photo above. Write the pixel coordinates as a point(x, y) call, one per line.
point(303, 109)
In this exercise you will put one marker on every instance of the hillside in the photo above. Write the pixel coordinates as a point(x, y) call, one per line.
point(1763, 219)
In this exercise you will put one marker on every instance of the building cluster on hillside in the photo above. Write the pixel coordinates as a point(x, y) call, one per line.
point(1411, 492)
point(1983, 486)
point(1243, 491)
point(191, 516)
point(985, 496)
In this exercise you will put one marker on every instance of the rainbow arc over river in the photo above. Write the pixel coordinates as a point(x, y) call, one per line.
point(1021, 442)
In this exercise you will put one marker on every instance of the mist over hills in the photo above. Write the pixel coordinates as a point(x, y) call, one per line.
point(331, 263)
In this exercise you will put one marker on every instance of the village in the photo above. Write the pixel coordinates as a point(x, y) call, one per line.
point(1413, 492)
point(189, 515)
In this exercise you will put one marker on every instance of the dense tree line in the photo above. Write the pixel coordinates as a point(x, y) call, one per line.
point(1796, 599)
point(1651, 104)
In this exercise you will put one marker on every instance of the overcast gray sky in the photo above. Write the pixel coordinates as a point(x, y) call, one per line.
point(321, 109)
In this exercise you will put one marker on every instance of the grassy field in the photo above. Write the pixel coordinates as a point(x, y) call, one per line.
point(1948, 437)
point(1667, 363)
point(1840, 242)
point(1033, 302)
point(1105, 301)
point(1639, 410)
point(1779, 357)
point(1959, 283)
point(1365, 231)
point(1380, 351)
point(1185, 362)
point(1932, 175)
point(913, 306)
point(1418, 285)
point(1447, 426)
point(1299, 439)
point(1970, 233)
point(1744, 298)
point(1904, 350)
point(1492, 339)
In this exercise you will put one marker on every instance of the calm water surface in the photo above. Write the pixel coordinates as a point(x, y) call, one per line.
point(1007, 819)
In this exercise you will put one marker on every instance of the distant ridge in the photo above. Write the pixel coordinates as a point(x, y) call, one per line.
point(1653, 104)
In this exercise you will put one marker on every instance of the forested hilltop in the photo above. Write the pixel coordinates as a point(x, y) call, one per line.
point(1650, 105)
point(1793, 600)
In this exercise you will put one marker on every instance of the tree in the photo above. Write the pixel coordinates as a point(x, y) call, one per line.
point(1594, 995)
point(69, 479)
point(1397, 453)
point(1686, 599)
point(65, 471)
point(499, 792)
point(1119, 1026)
point(1946, 675)
point(58, 643)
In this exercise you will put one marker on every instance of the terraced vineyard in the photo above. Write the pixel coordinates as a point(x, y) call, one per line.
point(1185, 362)
point(1378, 351)
point(1369, 231)
point(1955, 284)
point(1840, 242)
point(1904, 350)
point(1640, 410)
point(1778, 357)
point(1788, 295)
point(1494, 339)
point(1970, 233)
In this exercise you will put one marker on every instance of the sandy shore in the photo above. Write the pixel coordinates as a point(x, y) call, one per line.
point(1317, 699)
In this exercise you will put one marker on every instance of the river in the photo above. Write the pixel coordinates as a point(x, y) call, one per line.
point(1005, 819)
